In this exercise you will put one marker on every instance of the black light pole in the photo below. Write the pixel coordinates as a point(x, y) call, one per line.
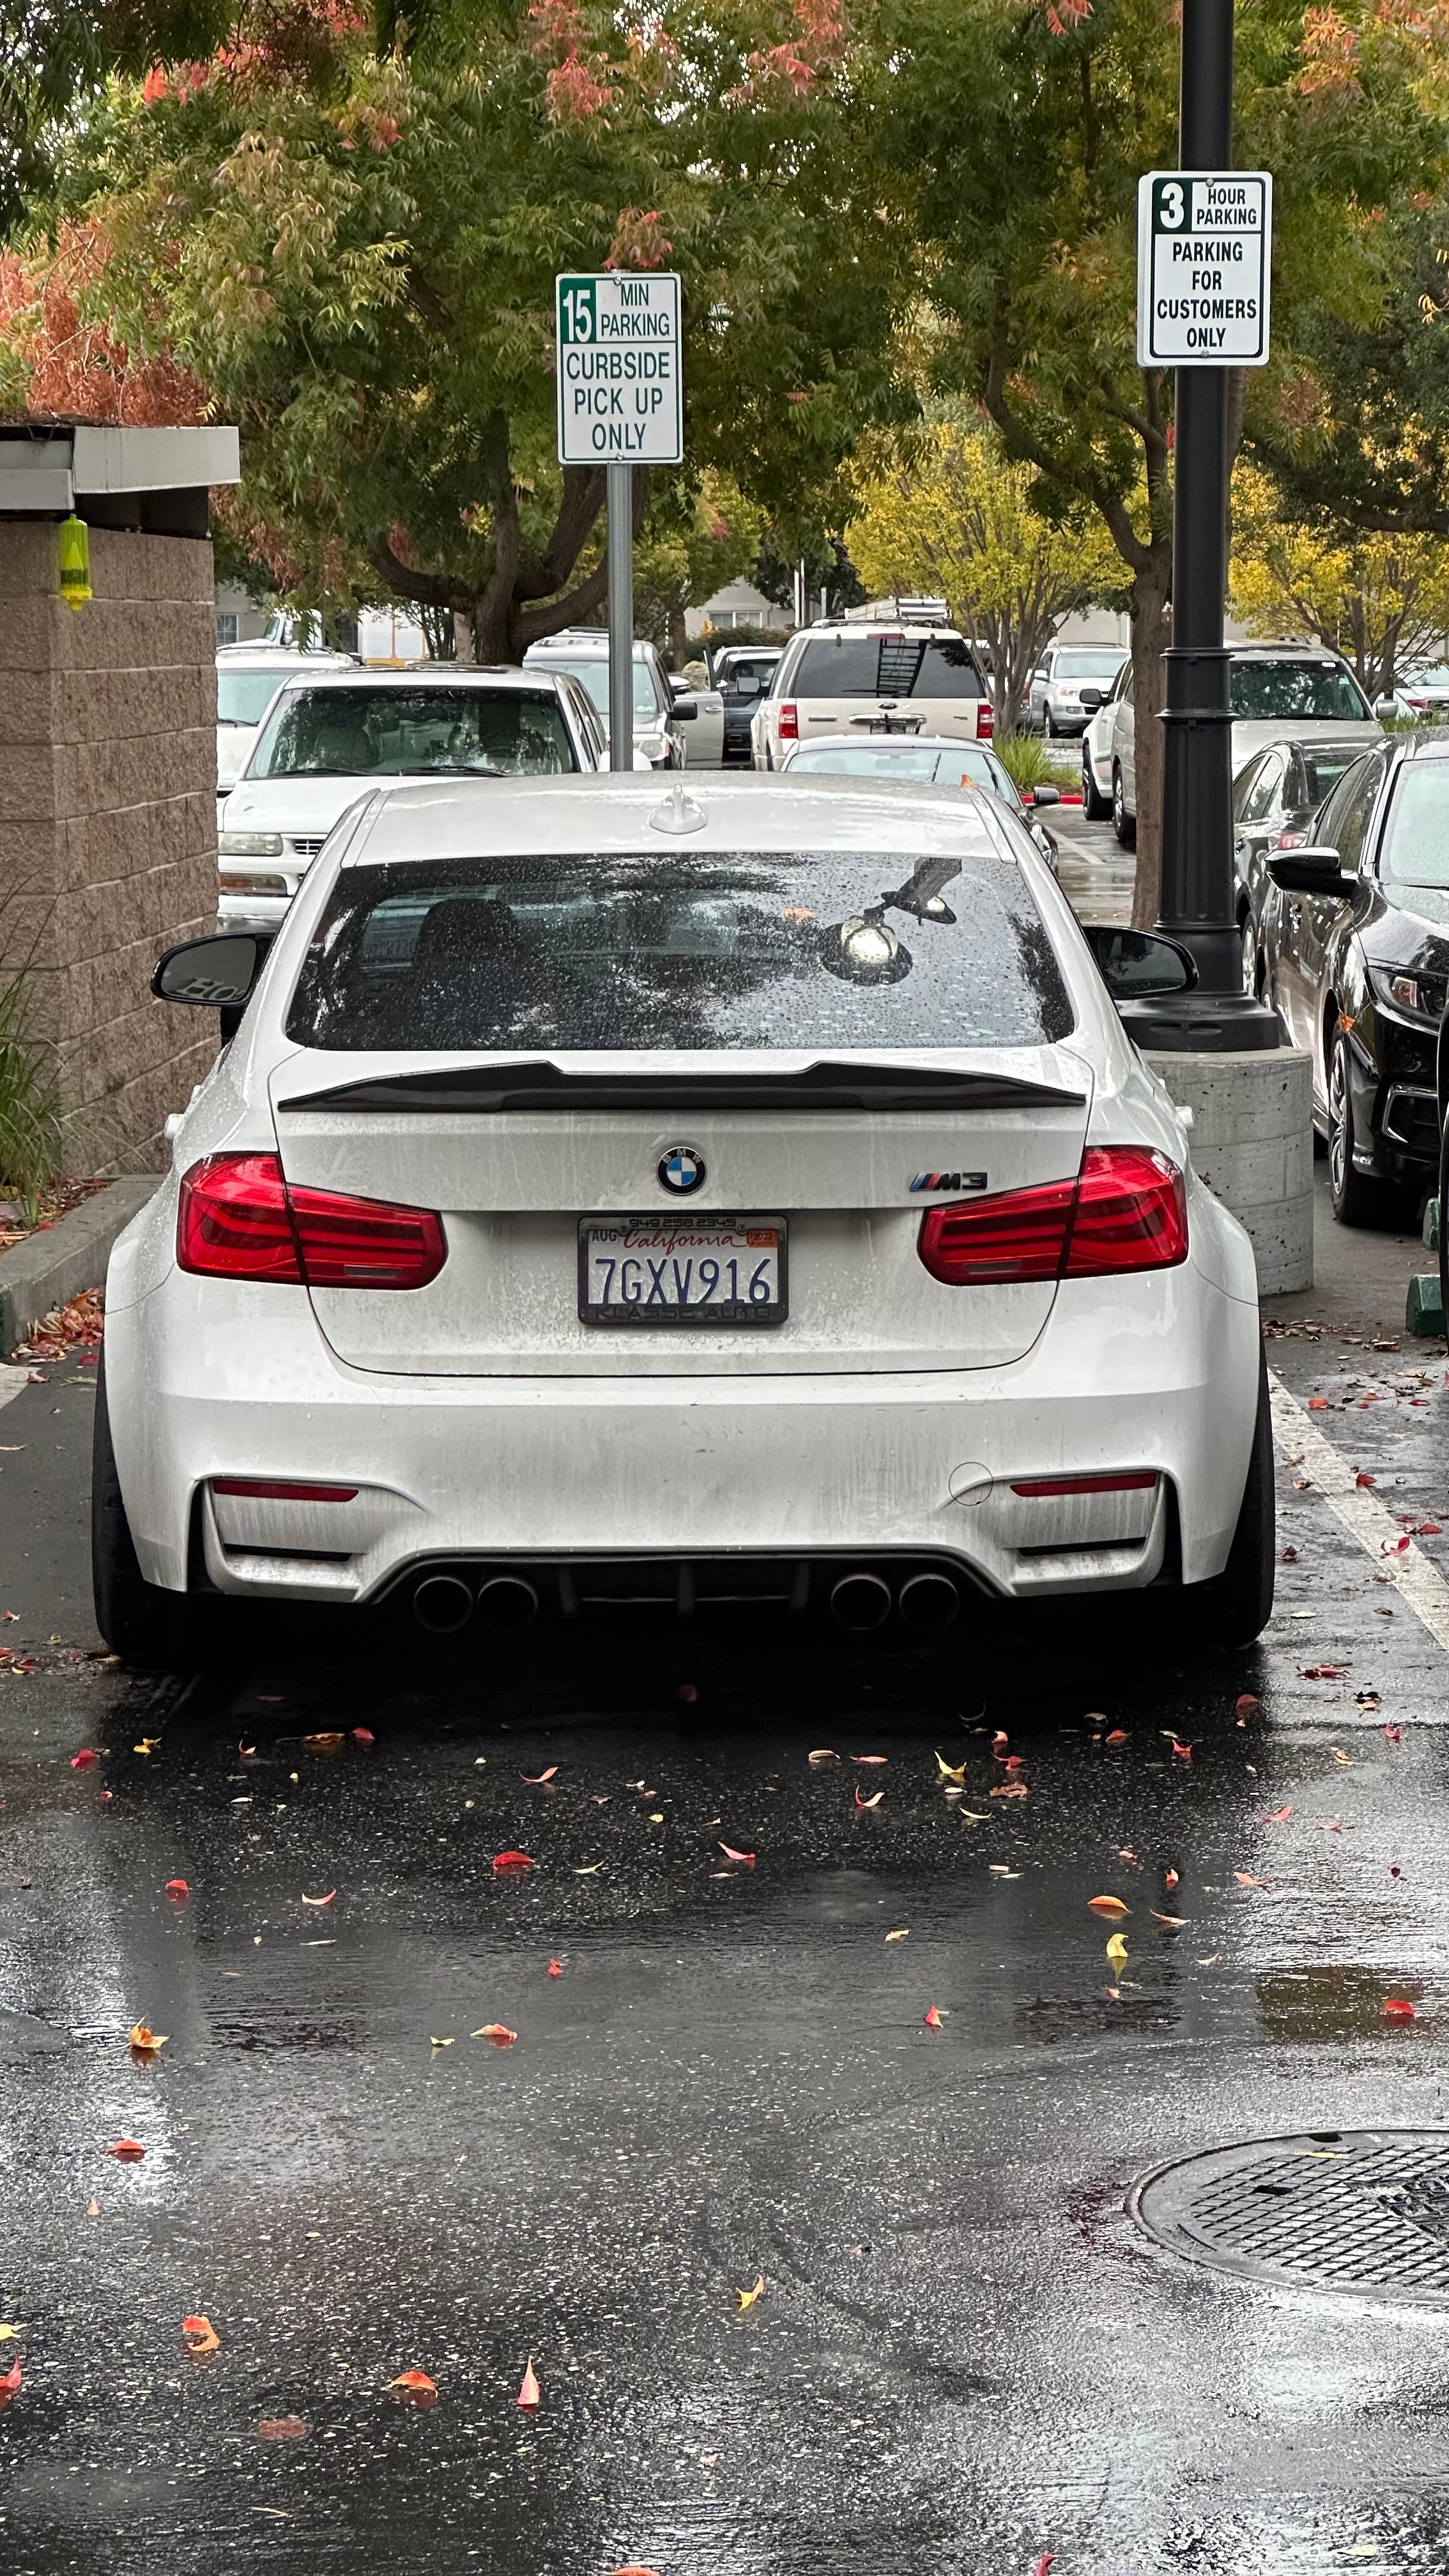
point(1196, 901)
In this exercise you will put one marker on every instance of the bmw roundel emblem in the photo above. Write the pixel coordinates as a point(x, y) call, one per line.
point(682, 1170)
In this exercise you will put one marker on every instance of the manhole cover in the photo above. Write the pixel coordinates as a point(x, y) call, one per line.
point(1364, 2210)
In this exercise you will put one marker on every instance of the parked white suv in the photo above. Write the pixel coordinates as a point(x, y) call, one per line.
point(583, 651)
point(248, 677)
point(1057, 703)
point(843, 675)
point(1277, 692)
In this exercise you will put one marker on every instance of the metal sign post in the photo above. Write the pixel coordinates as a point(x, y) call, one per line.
point(620, 404)
point(1204, 237)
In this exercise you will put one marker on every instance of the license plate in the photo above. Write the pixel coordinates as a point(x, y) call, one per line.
point(636, 1271)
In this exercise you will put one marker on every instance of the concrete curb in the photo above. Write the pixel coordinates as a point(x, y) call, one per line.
point(71, 1255)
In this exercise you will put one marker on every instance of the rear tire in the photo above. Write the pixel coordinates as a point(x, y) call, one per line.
point(1048, 725)
point(1123, 823)
point(1237, 1604)
point(138, 1621)
point(1095, 806)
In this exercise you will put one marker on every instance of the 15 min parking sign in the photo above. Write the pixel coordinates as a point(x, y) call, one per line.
point(1204, 252)
point(620, 381)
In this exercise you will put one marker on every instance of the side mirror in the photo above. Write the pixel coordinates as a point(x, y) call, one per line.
point(1386, 708)
point(1313, 871)
point(1091, 696)
point(1138, 965)
point(218, 974)
point(1045, 796)
point(684, 711)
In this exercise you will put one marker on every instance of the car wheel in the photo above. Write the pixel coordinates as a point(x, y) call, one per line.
point(1095, 806)
point(1123, 823)
point(1048, 725)
point(1355, 1198)
point(1237, 1604)
point(1252, 967)
point(138, 1621)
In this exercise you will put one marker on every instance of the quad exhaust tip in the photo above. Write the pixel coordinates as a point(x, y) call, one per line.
point(860, 1602)
point(444, 1605)
point(929, 1603)
point(507, 1605)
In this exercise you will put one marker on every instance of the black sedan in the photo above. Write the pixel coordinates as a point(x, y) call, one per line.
point(1356, 945)
point(1275, 796)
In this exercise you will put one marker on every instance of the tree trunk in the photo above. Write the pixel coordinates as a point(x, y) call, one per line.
point(678, 638)
point(1150, 635)
point(463, 648)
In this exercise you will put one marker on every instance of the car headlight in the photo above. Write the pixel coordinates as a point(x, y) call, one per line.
point(252, 881)
point(249, 845)
point(655, 746)
point(1420, 996)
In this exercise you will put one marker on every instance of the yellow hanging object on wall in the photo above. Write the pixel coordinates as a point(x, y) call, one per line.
point(75, 561)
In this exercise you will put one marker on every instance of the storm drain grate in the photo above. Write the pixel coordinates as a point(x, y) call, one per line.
point(1358, 2210)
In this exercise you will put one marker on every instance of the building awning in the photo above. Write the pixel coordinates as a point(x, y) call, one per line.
point(48, 469)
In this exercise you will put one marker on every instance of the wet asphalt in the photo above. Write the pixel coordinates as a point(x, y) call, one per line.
point(966, 2357)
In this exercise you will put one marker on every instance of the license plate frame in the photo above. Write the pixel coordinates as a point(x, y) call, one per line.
point(734, 1314)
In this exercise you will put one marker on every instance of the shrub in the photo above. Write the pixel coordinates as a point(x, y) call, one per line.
point(29, 1108)
point(1030, 762)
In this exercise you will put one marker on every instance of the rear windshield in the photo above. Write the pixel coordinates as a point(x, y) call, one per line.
point(886, 666)
point(1323, 769)
point(593, 674)
point(1271, 691)
point(394, 733)
point(688, 951)
point(243, 697)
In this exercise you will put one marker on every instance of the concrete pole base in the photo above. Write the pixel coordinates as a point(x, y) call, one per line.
point(1252, 1143)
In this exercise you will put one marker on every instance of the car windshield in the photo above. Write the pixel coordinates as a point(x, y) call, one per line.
point(965, 764)
point(723, 949)
point(1436, 677)
point(243, 697)
point(886, 666)
point(1416, 842)
point(1085, 665)
point(1282, 691)
point(395, 733)
point(594, 674)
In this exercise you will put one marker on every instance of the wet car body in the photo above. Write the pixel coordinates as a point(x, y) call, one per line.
point(1276, 795)
point(1358, 974)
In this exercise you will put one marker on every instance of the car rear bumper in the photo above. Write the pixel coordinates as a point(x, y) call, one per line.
point(216, 1381)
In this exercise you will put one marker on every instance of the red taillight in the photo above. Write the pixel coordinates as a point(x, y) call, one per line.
point(1126, 1210)
point(789, 721)
point(1289, 841)
point(252, 1489)
point(985, 720)
point(238, 1219)
point(1037, 1488)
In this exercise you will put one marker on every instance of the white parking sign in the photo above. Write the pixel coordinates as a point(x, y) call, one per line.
point(620, 382)
point(1204, 251)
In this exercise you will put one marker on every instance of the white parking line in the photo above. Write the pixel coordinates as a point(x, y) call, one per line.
point(11, 1381)
point(1361, 1513)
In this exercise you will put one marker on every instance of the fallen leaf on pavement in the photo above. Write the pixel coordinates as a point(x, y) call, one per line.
point(1324, 1672)
point(1245, 1702)
point(747, 1859)
point(129, 2150)
point(10, 2383)
point(1174, 1922)
point(177, 1890)
point(200, 2335)
point(327, 1742)
point(1044, 2564)
point(528, 2394)
point(1182, 1751)
point(951, 1771)
point(1000, 1740)
point(9, 2333)
point(320, 1900)
point(998, 1869)
point(363, 1735)
point(746, 2298)
point(821, 1756)
point(869, 1802)
point(589, 1869)
point(1245, 1878)
point(1117, 1947)
point(1279, 1816)
point(440, 2043)
point(1119, 1735)
point(93, 2209)
point(1170, 1878)
point(1212, 1962)
point(969, 1816)
point(282, 2428)
point(870, 1761)
point(82, 1761)
point(540, 1779)
point(147, 1744)
point(498, 2032)
point(633, 2571)
point(512, 1860)
point(1132, 1858)
point(1394, 1734)
point(414, 2388)
point(555, 1967)
point(1108, 1905)
point(1363, 1477)
point(1318, 1404)
point(1398, 2010)
point(1010, 1789)
point(935, 2018)
point(144, 2041)
point(1344, 1760)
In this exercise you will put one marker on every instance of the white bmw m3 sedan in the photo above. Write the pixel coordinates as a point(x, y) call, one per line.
point(729, 1192)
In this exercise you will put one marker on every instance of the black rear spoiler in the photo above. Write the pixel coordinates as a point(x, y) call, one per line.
point(494, 1090)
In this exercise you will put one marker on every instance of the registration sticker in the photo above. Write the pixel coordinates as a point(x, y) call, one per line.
point(640, 1271)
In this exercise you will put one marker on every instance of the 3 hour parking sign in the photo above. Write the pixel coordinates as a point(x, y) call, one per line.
point(620, 381)
point(1204, 250)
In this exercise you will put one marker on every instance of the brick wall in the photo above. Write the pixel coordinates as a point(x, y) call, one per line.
point(108, 822)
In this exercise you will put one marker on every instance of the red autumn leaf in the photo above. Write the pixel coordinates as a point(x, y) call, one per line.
point(528, 2394)
point(129, 2150)
point(1000, 1740)
point(282, 2428)
point(320, 1900)
point(414, 2388)
point(1169, 1878)
point(177, 1890)
point(1395, 1734)
point(869, 1802)
point(555, 1967)
point(1182, 1751)
point(1290, 1556)
point(82, 1761)
point(1245, 1701)
point(1394, 1870)
point(540, 1779)
point(1009, 1789)
point(200, 2335)
point(10, 2384)
point(1119, 1735)
point(1398, 2010)
point(363, 1735)
point(746, 1858)
point(1245, 1878)
point(1279, 1816)
point(498, 2032)
point(1395, 1546)
point(1015, 1762)
point(1363, 1477)
point(935, 2020)
point(633, 2571)
point(1045, 2564)
point(1324, 1672)
point(870, 1761)
point(511, 1860)
point(1318, 1404)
